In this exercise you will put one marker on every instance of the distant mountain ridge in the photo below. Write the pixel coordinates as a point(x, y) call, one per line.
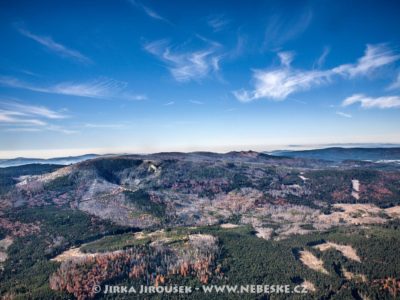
point(336, 154)
point(341, 154)
point(19, 161)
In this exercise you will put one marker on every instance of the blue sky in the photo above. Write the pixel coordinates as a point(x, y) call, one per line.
point(147, 76)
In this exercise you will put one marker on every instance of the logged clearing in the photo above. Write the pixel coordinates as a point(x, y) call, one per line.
point(354, 214)
point(366, 208)
point(264, 233)
point(309, 286)
point(72, 254)
point(4, 244)
point(351, 276)
point(313, 262)
point(158, 238)
point(356, 188)
point(229, 225)
point(155, 234)
point(348, 275)
point(356, 195)
point(3, 256)
point(346, 250)
point(303, 178)
point(394, 211)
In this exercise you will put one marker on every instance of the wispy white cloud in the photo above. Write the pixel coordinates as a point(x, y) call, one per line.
point(26, 109)
point(286, 58)
point(218, 22)
point(133, 97)
point(19, 117)
point(30, 73)
point(169, 103)
point(321, 60)
point(239, 48)
point(22, 129)
point(41, 129)
point(375, 56)
point(7, 117)
point(196, 102)
point(189, 65)
point(344, 115)
point(106, 125)
point(98, 88)
point(13, 82)
point(148, 11)
point(55, 47)
point(60, 129)
point(281, 29)
point(278, 83)
point(395, 85)
point(369, 102)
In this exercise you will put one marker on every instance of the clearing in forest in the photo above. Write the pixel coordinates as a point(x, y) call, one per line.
point(356, 188)
point(229, 225)
point(309, 286)
point(313, 262)
point(346, 250)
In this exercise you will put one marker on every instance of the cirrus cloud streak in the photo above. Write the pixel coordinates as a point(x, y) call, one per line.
point(369, 102)
point(189, 65)
point(97, 88)
point(55, 47)
point(278, 83)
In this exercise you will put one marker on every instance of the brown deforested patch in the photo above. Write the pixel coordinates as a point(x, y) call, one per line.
point(309, 286)
point(194, 256)
point(313, 262)
point(390, 284)
point(346, 250)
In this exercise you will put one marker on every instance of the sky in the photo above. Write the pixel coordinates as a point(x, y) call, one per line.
point(141, 76)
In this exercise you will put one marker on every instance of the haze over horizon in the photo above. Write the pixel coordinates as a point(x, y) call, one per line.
point(62, 153)
point(144, 76)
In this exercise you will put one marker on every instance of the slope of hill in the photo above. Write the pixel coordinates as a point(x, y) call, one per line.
point(9, 175)
point(55, 161)
point(203, 188)
point(234, 218)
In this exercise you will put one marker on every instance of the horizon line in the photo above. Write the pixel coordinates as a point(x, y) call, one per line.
point(63, 153)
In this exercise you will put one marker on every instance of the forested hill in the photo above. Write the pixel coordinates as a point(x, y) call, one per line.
point(340, 154)
point(203, 218)
point(20, 161)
